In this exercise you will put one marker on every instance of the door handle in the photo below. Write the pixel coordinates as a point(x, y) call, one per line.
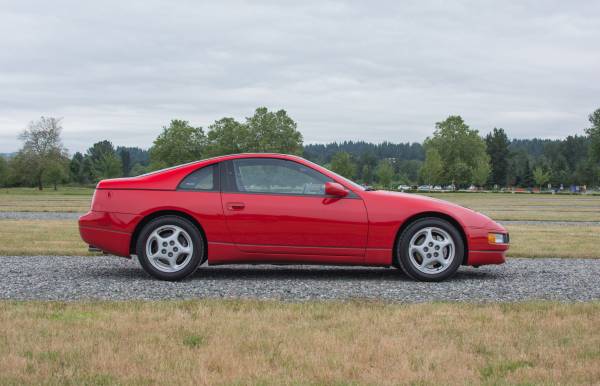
point(235, 205)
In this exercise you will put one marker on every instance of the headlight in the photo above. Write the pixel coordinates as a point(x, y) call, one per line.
point(498, 238)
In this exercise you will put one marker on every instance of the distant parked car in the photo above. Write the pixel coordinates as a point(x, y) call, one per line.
point(281, 209)
point(450, 187)
point(437, 187)
point(403, 187)
point(424, 188)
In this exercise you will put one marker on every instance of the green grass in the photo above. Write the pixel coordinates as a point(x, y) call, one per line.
point(497, 206)
point(564, 241)
point(506, 206)
point(49, 191)
point(32, 237)
point(65, 199)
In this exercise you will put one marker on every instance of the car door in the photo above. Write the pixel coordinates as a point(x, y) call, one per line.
point(277, 209)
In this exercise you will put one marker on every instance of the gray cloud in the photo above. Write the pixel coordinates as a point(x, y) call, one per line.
point(344, 70)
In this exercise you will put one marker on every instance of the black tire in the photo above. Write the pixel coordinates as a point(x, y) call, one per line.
point(170, 220)
point(403, 259)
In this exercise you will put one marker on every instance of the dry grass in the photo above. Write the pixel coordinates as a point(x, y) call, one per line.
point(554, 241)
point(497, 206)
point(41, 237)
point(32, 237)
point(529, 206)
point(61, 237)
point(253, 342)
point(69, 199)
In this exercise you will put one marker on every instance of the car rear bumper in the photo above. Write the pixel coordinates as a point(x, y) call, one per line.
point(109, 232)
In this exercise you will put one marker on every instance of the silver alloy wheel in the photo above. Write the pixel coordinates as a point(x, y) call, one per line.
point(431, 250)
point(169, 248)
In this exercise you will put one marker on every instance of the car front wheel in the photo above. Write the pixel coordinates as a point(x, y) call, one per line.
point(170, 248)
point(430, 249)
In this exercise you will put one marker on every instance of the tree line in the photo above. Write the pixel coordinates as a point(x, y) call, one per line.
point(455, 154)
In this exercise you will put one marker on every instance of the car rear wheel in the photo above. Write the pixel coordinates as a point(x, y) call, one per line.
point(430, 249)
point(170, 248)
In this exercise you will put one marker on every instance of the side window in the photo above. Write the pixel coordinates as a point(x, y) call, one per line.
point(201, 179)
point(267, 175)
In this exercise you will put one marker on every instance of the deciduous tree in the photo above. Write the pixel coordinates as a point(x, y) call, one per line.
point(227, 136)
point(385, 173)
point(460, 149)
point(42, 146)
point(481, 171)
point(273, 132)
point(342, 164)
point(433, 168)
point(540, 176)
point(57, 172)
point(177, 144)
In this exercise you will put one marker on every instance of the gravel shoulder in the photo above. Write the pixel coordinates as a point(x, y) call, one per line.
point(112, 278)
point(40, 215)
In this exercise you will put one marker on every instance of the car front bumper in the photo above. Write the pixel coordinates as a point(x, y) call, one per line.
point(481, 251)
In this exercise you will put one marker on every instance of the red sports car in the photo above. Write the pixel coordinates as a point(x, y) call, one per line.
point(283, 209)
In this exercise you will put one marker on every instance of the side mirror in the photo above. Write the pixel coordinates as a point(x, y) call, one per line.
point(335, 189)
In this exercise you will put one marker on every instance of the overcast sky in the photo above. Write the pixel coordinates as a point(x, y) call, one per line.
point(344, 70)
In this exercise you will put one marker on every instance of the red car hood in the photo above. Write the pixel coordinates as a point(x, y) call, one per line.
point(465, 216)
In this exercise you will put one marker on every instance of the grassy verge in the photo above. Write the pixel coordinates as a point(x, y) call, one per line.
point(497, 206)
point(529, 206)
point(252, 342)
point(61, 237)
point(41, 237)
point(65, 199)
point(48, 191)
point(554, 241)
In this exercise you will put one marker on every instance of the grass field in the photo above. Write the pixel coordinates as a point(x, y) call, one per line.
point(505, 206)
point(26, 237)
point(313, 343)
point(554, 241)
point(497, 206)
point(61, 237)
point(66, 199)
point(252, 342)
point(41, 237)
point(32, 237)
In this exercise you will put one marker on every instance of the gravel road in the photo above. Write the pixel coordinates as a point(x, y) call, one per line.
point(112, 278)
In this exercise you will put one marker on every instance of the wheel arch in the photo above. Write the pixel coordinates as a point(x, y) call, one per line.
point(160, 213)
point(439, 215)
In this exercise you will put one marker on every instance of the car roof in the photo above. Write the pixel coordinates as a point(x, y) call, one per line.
point(169, 178)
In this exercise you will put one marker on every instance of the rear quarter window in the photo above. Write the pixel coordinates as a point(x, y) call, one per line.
point(201, 179)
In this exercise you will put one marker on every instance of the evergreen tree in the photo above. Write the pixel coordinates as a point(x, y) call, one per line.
point(497, 149)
